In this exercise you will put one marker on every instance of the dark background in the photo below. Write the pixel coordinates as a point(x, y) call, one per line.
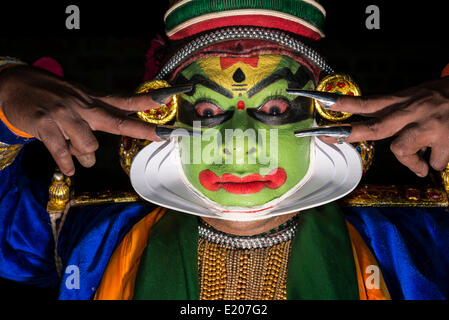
point(108, 54)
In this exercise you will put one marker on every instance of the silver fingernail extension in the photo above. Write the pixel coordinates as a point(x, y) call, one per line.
point(330, 131)
point(326, 99)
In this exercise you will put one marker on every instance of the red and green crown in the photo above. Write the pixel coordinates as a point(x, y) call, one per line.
point(189, 17)
point(244, 27)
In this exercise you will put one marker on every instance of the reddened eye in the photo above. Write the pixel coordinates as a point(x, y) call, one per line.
point(207, 109)
point(274, 107)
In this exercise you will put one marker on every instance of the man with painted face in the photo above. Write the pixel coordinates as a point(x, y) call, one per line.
point(234, 94)
point(238, 76)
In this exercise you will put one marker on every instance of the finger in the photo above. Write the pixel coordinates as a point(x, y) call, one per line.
point(439, 157)
point(79, 133)
point(131, 103)
point(87, 160)
point(377, 128)
point(146, 101)
point(365, 105)
point(54, 141)
point(415, 163)
point(381, 128)
point(406, 146)
point(329, 140)
point(115, 123)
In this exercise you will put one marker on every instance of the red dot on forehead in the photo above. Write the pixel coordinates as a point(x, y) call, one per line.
point(240, 105)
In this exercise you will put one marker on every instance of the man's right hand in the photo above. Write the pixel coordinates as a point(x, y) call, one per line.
point(63, 116)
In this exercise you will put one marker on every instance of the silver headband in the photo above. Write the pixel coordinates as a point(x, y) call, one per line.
point(243, 33)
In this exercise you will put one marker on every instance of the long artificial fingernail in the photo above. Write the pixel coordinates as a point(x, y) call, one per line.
point(167, 132)
point(326, 99)
point(330, 131)
point(160, 95)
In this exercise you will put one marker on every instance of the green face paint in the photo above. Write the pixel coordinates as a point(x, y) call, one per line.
point(248, 154)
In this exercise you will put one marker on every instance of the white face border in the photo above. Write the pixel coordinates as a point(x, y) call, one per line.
point(155, 178)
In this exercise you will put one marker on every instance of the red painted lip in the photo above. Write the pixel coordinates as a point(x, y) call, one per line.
point(242, 185)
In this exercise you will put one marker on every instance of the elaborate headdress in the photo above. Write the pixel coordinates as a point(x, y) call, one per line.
point(233, 26)
point(200, 28)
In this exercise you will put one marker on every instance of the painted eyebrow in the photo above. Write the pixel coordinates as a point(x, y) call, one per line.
point(200, 79)
point(284, 73)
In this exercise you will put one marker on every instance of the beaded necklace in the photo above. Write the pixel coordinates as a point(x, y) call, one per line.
point(244, 267)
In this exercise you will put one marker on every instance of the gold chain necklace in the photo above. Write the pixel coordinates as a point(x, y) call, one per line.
point(235, 273)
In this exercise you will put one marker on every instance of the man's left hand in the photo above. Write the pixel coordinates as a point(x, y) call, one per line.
point(418, 117)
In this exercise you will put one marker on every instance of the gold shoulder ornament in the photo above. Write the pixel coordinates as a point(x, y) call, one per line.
point(8, 154)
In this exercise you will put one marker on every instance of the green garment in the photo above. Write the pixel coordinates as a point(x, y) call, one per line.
point(321, 264)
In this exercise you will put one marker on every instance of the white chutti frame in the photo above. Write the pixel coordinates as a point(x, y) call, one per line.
point(336, 171)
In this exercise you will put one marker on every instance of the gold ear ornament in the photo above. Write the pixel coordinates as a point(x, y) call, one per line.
point(163, 114)
point(340, 84)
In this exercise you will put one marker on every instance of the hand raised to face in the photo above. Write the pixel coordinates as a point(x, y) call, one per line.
point(63, 116)
point(418, 117)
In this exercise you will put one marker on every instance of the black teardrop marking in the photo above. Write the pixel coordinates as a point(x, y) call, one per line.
point(239, 76)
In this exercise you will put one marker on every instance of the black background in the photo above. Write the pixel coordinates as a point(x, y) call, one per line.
point(108, 54)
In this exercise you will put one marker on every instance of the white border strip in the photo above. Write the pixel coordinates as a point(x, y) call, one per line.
point(316, 5)
point(174, 7)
